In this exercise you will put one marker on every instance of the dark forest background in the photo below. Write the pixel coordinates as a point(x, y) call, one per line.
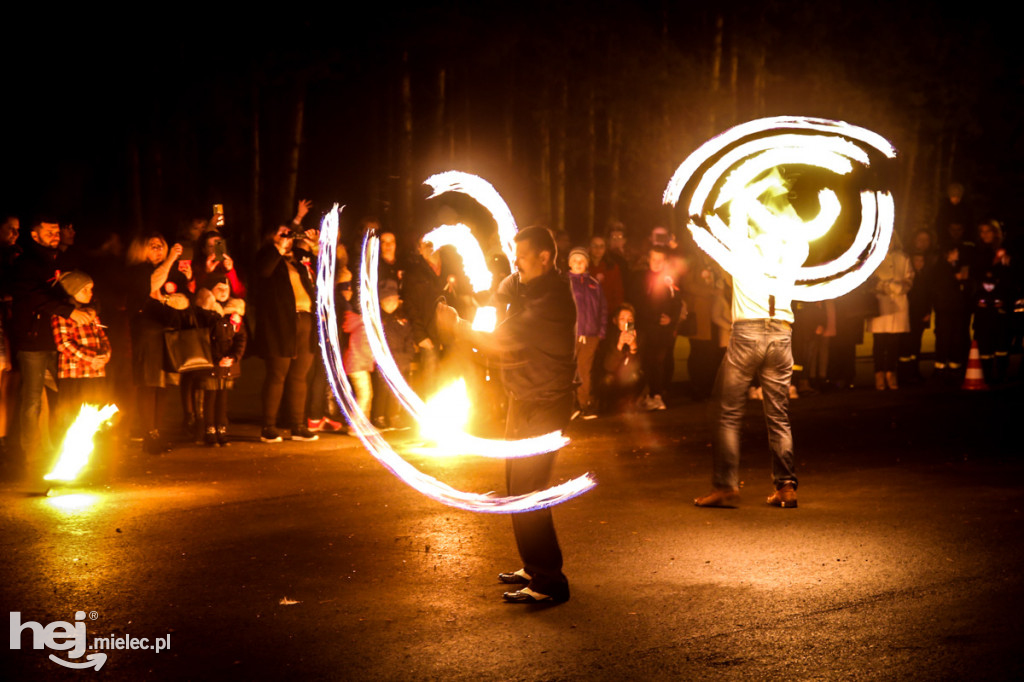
point(577, 112)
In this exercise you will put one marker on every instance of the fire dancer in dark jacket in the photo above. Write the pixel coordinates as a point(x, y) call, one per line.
point(536, 341)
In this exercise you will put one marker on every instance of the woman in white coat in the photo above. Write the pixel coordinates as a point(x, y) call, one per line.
point(894, 277)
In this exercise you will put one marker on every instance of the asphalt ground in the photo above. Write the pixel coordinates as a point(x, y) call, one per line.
point(311, 561)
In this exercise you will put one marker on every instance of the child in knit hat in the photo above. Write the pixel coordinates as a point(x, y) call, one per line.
point(224, 317)
point(83, 351)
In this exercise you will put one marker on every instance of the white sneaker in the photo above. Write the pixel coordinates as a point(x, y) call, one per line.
point(657, 403)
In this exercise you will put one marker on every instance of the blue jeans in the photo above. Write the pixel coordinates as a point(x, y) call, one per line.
point(33, 366)
point(761, 348)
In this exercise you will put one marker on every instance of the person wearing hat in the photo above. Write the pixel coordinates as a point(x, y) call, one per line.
point(224, 316)
point(83, 351)
point(591, 320)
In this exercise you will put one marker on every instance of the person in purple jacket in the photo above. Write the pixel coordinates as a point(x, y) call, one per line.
point(591, 321)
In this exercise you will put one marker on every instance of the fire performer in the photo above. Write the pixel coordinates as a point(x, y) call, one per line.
point(535, 342)
point(760, 345)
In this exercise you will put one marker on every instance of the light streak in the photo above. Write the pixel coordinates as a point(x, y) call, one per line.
point(462, 240)
point(78, 445)
point(728, 171)
point(484, 193)
point(371, 438)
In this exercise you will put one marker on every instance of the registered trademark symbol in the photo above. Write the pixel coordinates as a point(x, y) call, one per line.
point(93, 615)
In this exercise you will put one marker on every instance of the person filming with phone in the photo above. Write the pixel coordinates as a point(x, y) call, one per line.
point(623, 366)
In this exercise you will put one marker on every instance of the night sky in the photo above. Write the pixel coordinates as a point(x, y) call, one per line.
point(138, 123)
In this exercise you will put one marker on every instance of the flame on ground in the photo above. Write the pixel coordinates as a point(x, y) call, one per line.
point(78, 445)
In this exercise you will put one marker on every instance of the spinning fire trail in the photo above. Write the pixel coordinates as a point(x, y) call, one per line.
point(452, 438)
point(736, 186)
point(732, 184)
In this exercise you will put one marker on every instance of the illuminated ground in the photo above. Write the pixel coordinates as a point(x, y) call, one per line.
point(904, 559)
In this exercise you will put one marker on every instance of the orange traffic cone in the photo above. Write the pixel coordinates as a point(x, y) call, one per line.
point(974, 380)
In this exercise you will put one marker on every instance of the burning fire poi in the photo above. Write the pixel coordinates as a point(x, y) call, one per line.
point(78, 444)
point(452, 438)
point(731, 174)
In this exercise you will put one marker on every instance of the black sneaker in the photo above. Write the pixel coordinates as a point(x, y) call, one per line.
point(270, 435)
point(303, 433)
point(222, 436)
point(210, 437)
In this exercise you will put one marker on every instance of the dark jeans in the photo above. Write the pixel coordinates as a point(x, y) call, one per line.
point(659, 343)
point(585, 354)
point(885, 350)
point(33, 366)
point(535, 531)
point(761, 348)
point(215, 408)
point(702, 365)
point(952, 337)
point(149, 403)
point(286, 378)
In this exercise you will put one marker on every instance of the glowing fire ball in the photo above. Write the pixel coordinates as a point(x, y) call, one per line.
point(790, 203)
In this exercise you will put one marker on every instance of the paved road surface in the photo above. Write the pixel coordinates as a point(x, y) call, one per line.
point(310, 561)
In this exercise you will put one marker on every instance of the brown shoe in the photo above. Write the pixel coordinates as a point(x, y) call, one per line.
point(891, 381)
point(784, 497)
point(727, 497)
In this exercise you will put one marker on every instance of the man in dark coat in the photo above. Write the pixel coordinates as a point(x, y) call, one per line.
point(536, 341)
point(36, 298)
point(285, 331)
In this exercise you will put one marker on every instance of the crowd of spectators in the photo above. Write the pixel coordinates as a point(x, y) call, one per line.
point(634, 300)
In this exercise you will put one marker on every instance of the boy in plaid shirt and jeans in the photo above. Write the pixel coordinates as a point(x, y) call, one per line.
point(82, 352)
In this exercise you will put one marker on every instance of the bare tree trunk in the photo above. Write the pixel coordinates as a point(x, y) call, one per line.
point(563, 114)
point(467, 127)
point(938, 186)
point(439, 117)
point(734, 78)
point(510, 121)
point(951, 162)
point(156, 196)
point(257, 217)
point(292, 181)
point(903, 224)
point(760, 79)
point(716, 73)
point(405, 146)
point(545, 158)
point(136, 164)
point(591, 161)
point(614, 167)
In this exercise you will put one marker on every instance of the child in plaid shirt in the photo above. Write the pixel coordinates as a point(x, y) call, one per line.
point(82, 352)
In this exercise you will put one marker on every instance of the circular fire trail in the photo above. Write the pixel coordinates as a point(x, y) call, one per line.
point(453, 439)
point(737, 187)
